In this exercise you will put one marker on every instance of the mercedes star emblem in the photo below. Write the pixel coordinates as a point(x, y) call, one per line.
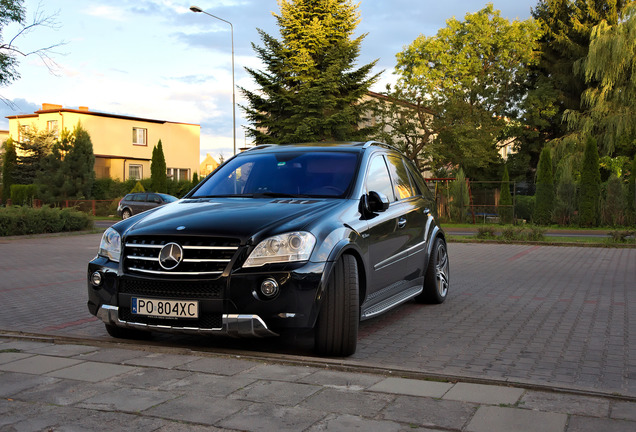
point(170, 256)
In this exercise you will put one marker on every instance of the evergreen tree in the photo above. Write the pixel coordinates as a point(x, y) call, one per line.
point(505, 199)
point(68, 172)
point(565, 195)
point(310, 90)
point(158, 170)
point(545, 190)
point(138, 188)
point(9, 162)
point(32, 150)
point(80, 162)
point(590, 185)
point(460, 198)
point(631, 193)
point(614, 205)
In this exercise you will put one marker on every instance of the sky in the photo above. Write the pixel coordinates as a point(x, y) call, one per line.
point(156, 59)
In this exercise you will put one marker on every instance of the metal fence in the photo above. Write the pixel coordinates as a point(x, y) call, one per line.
point(483, 200)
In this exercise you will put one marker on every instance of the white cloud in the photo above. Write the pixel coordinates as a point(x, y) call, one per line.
point(108, 12)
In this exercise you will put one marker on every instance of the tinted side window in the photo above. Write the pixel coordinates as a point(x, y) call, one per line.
point(128, 197)
point(419, 181)
point(378, 178)
point(154, 198)
point(139, 197)
point(400, 176)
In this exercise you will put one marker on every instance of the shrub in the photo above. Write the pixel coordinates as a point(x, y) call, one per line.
point(485, 232)
point(138, 188)
point(18, 220)
point(524, 207)
point(621, 236)
point(511, 233)
point(536, 233)
point(614, 205)
point(23, 194)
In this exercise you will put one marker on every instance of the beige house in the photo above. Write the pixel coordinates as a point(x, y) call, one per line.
point(208, 165)
point(122, 145)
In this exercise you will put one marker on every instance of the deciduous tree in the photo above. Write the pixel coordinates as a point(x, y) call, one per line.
point(611, 104)
point(466, 83)
point(13, 11)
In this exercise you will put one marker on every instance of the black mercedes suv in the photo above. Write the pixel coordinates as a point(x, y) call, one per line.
point(277, 239)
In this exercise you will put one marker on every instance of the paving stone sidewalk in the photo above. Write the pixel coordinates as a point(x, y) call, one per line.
point(46, 386)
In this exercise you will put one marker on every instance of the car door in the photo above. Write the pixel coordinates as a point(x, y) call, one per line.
point(139, 203)
point(387, 239)
point(427, 205)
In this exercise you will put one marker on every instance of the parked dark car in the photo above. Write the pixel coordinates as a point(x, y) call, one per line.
point(138, 202)
point(279, 238)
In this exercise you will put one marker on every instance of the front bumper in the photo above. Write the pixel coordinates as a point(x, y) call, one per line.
point(232, 324)
point(229, 304)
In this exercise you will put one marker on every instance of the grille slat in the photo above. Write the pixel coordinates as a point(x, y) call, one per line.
point(201, 256)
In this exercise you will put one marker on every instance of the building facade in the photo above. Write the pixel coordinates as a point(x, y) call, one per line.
point(122, 145)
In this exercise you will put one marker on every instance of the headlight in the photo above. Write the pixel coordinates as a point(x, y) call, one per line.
point(295, 246)
point(110, 246)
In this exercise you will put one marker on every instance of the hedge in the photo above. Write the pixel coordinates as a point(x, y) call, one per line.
point(17, 220)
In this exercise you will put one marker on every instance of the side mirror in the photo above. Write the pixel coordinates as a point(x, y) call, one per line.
point(377, 202)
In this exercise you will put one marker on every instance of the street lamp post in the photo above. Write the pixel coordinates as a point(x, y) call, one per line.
point(198, 9)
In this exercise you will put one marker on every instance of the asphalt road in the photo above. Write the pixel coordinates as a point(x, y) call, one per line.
point(553, 316)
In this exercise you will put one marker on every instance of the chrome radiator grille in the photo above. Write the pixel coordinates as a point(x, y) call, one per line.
point(186, 257)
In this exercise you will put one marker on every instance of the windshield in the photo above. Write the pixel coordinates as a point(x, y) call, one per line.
point(285, 174)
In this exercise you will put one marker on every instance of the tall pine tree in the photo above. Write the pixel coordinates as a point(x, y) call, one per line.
point(590, 187)
point(9, 161)
point(545, 190)
point(158, 171)
point(505, 200)
point(310, 90)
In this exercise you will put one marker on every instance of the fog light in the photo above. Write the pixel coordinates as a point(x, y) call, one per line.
point(269, 287)
point(96, 279)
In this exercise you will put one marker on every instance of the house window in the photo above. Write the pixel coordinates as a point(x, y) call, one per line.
point(23, 133)
point(178, 173)
point(52, 127)
point(135, 172)
point(139, 136)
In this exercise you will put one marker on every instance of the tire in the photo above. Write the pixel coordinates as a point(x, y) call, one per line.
point(126, 333)
point(336, 332)
point(437, 278)
point(126, 214)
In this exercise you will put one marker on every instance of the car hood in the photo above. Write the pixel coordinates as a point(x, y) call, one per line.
point(246, 219)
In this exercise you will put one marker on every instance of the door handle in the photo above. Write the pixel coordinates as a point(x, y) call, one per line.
point(401, 222)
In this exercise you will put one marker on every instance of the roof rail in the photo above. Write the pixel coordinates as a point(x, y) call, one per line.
point(378, 143)
point(261, 146)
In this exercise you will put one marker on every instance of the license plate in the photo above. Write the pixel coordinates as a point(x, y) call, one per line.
point(165, 308)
